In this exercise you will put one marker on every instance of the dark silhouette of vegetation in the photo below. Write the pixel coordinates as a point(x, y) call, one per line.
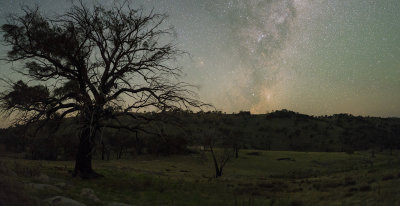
point(221, 142)
point(275, 133)
point(98, 65)
point(221, 155)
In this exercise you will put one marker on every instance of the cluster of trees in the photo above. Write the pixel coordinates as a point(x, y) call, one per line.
point(111, 143)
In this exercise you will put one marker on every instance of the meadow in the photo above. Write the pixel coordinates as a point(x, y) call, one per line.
point(255, 178)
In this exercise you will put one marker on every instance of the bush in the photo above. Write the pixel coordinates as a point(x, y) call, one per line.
point(365, 188)
point(2, 148)
point(349, 181)
point(296, 203)
point(27, 170)
point(167, 145)
point(53, 147)
point(13, 139)
point(387, 177)
point(43, 149)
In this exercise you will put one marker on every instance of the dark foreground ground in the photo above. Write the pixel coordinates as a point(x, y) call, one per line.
point(255, 178)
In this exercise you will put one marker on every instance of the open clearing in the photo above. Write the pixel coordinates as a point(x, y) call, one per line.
point(255, 178)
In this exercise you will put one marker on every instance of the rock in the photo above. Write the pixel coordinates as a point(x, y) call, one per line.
point(118, 204)
point(47, 187)
point(61, 184)
point(62, 201)
point(43, 178)
point(89, 194)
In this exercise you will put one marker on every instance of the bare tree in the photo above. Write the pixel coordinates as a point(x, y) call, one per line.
point(220, 157)
point(220, 146)
point(99, 65)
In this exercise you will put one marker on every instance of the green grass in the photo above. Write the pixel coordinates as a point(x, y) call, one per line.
point(307, 178)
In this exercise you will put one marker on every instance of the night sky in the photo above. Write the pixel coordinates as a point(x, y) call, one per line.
point(311, 56)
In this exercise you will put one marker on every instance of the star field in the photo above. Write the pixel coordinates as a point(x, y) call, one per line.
point(314, 57)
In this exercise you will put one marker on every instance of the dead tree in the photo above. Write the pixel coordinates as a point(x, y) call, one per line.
point(95, 64)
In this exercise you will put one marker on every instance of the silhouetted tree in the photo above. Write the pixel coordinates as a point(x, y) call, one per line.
point(220, 156)
point(220, 146)
point(97, 64)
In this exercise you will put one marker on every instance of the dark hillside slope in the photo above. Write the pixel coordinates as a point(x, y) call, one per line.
point(287, 130)
point(280, 130)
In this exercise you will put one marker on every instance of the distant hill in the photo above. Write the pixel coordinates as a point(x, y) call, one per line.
point(288, 130)
point(279, 130)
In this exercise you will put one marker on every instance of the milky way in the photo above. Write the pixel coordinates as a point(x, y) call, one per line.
point(315, 57)
point(259, 30)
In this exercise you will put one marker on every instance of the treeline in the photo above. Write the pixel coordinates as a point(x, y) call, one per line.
point(110, 143)
point(280, 130)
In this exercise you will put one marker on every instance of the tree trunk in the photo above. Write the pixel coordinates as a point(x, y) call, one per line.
point(103, 150)
point(218, 173)
point(236, 152)
point(138, 145)
point(218, 170)
point(83, 162)
point(119, 155)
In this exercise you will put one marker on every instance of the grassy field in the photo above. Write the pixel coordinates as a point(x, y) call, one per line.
point(255, 178)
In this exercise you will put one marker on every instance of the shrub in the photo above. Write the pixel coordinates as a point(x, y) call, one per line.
point(365, 188)
point(27, 170)
point(43, 149)
point(388, 177)
point(167, 145)
point(296, 203)
point(349, 181)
